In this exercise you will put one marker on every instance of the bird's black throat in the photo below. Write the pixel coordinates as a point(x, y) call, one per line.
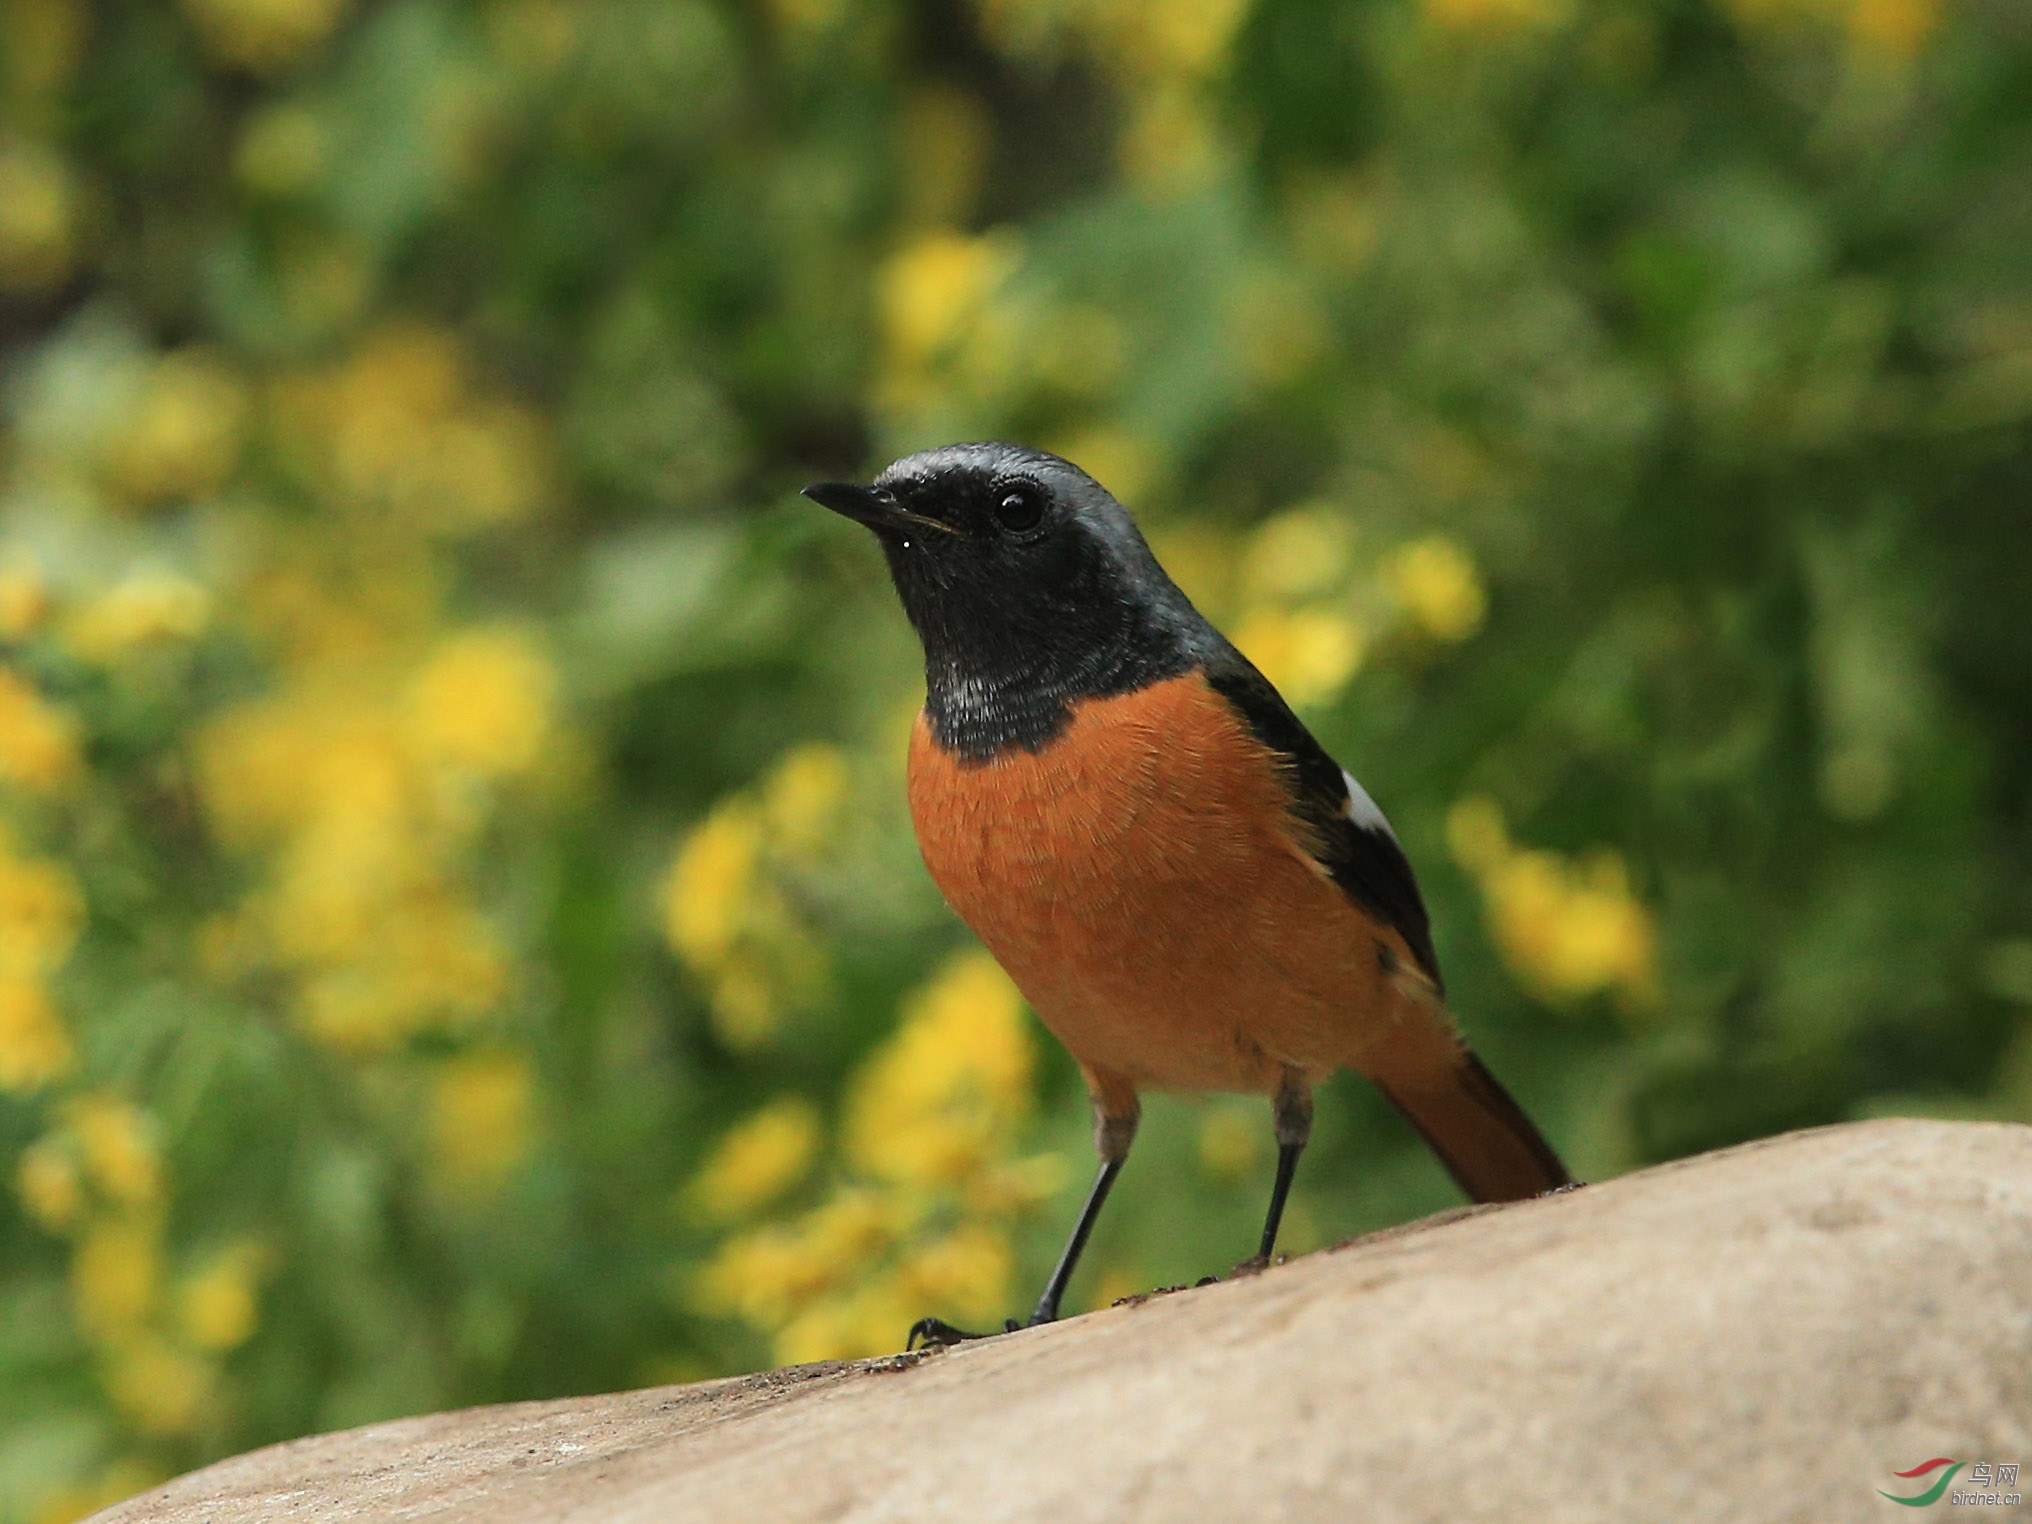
point(1003, 666)
point(977, 712)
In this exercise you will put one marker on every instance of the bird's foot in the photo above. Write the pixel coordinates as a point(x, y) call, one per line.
point(937, 1331)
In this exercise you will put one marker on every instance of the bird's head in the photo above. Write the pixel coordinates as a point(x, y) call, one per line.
point(995, 545)
point(1020, 573)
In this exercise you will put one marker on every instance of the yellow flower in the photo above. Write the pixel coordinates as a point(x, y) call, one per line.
point(384, 947)
point(437, 967)
point(307, 763)
point(116, 1275)
point(50, 1188)
point(24, 600)
point(768, 1276)
point(40, 912)
point(1309, 654)
point(216, 1305)
point(1125, 463)
point(38, 743)
point(146, 609)
point(362, 905)
point(395, 430)
point(1890, 30)
point(490, 464)
point(117, 1143)
point(940, 1098)
point(1020, 1184)
point(1188, 38)
point(1435, 581)
point(854, 1322)
point(759, 1277)
point(1301, 553)
point(38, 216)
point(931, 1117)
point(711, 884)
point(1203, 560)
point(337, 894)
point(34, 1047)
point(757, 1160)
point(481, 1120)
point(934, 1110)
point(183, 439)
point(969, 1270)
point(1894, 29)
point(935, 287)
point(848, 1230)
point(831, 1330)
point(482, 702)
point(263, 36)
point(160, 1389)
point(801, 799)
point(1572, 930)
point(1567, 930)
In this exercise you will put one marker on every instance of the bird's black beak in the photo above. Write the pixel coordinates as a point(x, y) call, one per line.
point(864, 505)
point(877, 509)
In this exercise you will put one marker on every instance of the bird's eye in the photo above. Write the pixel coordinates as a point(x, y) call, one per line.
point(1019, 509)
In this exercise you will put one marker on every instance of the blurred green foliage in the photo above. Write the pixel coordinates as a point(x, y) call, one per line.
point(459, 933)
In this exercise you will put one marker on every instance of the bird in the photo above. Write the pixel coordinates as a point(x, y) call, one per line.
point(1187, 889)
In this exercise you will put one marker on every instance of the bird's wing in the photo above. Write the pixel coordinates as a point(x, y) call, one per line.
point(1352, 838)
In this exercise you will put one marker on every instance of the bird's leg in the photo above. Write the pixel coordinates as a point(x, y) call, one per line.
point(1293, 1109)
point(1116, 1112)
point(1046, 1310)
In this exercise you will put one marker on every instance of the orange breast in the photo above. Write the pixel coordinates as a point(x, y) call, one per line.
point(1143, 882)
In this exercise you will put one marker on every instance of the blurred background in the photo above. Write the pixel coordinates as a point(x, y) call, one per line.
point(460, 936)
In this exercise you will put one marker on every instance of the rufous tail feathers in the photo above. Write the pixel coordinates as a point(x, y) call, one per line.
point(1492, 1150)
point(1487, 1144)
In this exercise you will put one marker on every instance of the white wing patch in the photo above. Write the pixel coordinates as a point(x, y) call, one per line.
point(1362, 810)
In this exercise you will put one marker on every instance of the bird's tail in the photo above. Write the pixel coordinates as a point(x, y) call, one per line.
point(1419, 1062)
point(1482, 1136)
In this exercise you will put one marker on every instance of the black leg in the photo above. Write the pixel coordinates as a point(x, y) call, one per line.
point(1287, 1166)
point(1054, 1289)
point(1115, 1117)
point(1294, 1126)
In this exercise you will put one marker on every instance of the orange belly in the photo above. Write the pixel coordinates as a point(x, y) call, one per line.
point(1144, 884)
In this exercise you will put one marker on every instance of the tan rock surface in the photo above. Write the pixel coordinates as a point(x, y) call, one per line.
point(1760, 1334)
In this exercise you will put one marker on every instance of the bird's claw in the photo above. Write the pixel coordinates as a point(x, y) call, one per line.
point(930, 1332)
